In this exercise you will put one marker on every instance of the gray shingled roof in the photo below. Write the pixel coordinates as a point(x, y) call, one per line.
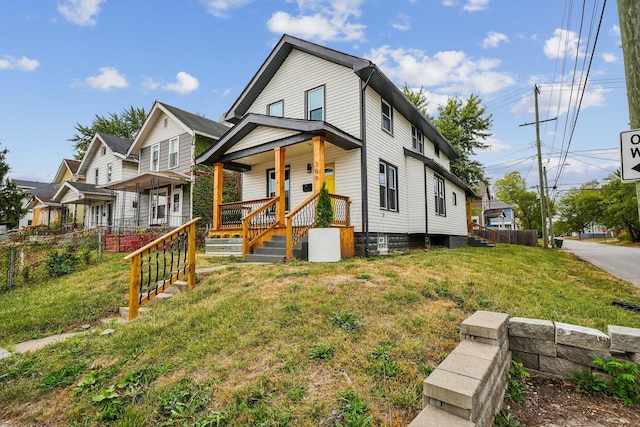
point(197, 123)
point(115, 143)
point(88, 188)
point(23, 183)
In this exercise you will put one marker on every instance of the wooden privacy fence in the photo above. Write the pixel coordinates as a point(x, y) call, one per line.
point(161, 263)
point(517, 237)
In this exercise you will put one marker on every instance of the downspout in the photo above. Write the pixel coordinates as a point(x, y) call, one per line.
point(363, 164)
point(426, 206)
point(192, 177)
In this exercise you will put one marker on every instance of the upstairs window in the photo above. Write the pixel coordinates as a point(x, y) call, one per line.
point(388, 186)
point(104, 151)
point(109, 172)
point(174, 148)
point(276, 109)
point(439, 191)
point(387, 117)
point(155, 158)
point(315, 104)
point(96, 174)
point(417, 140)
point(436, 149)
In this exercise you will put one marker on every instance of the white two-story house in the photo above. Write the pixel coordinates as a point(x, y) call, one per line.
point(165, 148)
point(311, 115)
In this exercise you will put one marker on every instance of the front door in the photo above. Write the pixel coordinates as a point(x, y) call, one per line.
point(158, 208)
point(175, 218)
point(330, 177)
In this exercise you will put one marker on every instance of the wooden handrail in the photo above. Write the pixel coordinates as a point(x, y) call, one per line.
point(289, 219)
point(172, 270)
point(247, 241)
point(490, 231)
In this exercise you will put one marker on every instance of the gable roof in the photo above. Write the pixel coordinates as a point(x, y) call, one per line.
point(26, 185)
point(82, 190)
point(66, 165)
point(44, 194)
point(116, 144)
point(193, 124)
point(363, 68)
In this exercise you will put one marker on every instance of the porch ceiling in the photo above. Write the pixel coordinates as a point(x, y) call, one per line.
point(148, 180)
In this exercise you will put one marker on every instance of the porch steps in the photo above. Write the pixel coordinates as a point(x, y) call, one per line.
point(478, 242)
point(223, 246)
point(274, 251)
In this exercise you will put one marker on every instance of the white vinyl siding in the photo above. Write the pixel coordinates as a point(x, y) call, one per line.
point(301, 72)
point(415, 191)
point(159, 132)
point(259, 136)
point(455, 223)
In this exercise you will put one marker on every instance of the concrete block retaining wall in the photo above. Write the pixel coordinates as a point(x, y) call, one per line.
point(467, 388)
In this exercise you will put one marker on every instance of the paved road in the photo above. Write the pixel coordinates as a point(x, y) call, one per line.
point(621, 262)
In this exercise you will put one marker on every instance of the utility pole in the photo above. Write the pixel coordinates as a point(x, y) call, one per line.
point(552, 241)
point(543, 212)
point(629, 16)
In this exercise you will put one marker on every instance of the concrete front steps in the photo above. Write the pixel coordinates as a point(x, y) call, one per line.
point(172, 290)
point(478, 242)
point(274, 250)
point(223, 246)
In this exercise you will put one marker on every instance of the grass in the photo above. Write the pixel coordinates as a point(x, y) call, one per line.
point(291, 344)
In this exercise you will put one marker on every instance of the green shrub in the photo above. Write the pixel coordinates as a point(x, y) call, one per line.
point(324, 211)
point(61, 264)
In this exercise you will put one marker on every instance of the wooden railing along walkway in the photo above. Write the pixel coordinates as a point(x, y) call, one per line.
point(482, 232)
point(161, 263)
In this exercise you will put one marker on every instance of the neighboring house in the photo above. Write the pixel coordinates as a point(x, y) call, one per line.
point(499, 215)
point(104, 162)
point(312, 114)
point(165, 148)
point(27, 187)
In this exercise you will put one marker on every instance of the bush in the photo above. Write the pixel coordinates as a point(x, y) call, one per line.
point(60, 264)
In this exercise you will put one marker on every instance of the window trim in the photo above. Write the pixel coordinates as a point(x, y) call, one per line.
point(394, 192)
point(109, 171)
point(176, 152)
point(96, 174)
point(287, 178)
point(440, 195)
point(154, 148)
point(417, 140)
point(384, 118)
point(454, 198)
point(281, 103)
point(306, 103)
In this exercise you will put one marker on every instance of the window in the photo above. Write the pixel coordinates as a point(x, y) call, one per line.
point(165, 123)
point(155, 158)
point(109, 172)
point(315, 103)
point(174, 147)
point(436, 149)
point(104, 151)
point(96, 174)
point(271, 186)
point(454, 200)
point(439, 196)
point(387, 117)
point(417, 140)
point(276, 109)
point(388, 187)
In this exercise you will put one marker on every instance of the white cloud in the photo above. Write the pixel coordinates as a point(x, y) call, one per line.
point(402, 22)
point(495, 145)
point(450, 73)
point(21, 64)
point(222, 8)
point(185, 83)
point(563, 43)
point(609, 57)
point(326, 20)
point(148, 84)
point(227, 92)
point(615, 30)
point(475, 5)
point(80, 12)
point(448, 3)
point(108, 78)
point(561, 96)
point(493, 39)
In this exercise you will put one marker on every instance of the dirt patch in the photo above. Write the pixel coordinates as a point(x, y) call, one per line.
point(554, 402)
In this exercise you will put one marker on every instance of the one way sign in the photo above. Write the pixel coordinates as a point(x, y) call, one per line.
point(630, 155)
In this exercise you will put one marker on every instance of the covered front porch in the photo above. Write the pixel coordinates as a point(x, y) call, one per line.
point(288, 211)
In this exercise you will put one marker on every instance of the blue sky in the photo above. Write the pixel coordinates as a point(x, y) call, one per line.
point(62, 62)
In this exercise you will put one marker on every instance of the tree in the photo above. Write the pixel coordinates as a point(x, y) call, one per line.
point(417, 98)
point(466, 126)
point(579, 207)
point(125, 125)
point(619, 209)
point(512, 189)
point(11, 197)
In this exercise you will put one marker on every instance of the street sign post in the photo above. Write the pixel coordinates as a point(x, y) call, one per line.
point(630, 155)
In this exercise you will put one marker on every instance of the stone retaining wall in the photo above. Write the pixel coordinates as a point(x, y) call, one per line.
point(467, 388)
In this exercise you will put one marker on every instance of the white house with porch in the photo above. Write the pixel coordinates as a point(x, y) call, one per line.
point(312, 114)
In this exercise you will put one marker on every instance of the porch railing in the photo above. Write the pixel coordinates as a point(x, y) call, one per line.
point(257, 224)
point(161, 263)
point(303, 217)
point(231, 214)
point(483, 232)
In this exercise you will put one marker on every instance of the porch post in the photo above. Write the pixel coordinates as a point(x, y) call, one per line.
point(280, 187)
point(469, 226)
point(318, 162)
point(218, 175)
